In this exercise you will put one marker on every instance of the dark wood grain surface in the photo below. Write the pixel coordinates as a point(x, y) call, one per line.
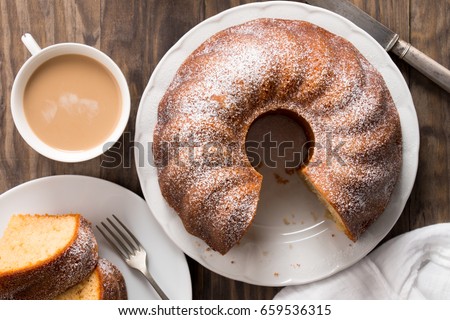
point(136, 34)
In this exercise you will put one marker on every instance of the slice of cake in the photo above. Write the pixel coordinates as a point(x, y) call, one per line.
point(41, 256)
point(105, 283)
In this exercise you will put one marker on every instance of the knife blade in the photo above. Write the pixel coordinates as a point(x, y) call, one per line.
point(389, 40)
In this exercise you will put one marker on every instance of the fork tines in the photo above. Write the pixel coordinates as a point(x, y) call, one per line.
point(130, 249)
point(117, 243)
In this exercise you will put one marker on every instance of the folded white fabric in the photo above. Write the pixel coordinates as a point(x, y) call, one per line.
point(414, 265)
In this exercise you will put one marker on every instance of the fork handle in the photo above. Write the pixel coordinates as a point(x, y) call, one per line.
point(155, 286)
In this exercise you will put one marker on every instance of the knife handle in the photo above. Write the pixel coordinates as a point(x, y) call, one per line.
point(423, 63)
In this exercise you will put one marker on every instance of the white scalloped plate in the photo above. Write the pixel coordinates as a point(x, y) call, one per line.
point(291, 241)
point(97, 199)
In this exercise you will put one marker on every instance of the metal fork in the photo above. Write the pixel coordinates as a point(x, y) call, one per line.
point(133, 254)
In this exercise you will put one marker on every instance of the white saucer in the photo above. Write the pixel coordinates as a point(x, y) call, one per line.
point(291, 241)
point(96, 200)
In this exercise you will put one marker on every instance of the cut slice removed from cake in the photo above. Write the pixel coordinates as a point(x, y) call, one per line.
point(42, 256)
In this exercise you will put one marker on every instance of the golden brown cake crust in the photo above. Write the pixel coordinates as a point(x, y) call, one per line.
point(113, 283)
point(273, 65)
point(54, 276)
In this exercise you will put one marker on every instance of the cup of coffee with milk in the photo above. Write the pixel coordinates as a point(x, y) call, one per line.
point(69, 101)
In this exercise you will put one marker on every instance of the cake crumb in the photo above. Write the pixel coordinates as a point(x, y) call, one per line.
point(280, 179)
point(290, 171)
point(332, 235)
point(286, 221)
point(276, 274)
point(232, 261)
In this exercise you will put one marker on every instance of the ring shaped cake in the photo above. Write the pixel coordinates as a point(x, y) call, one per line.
point(265, 66)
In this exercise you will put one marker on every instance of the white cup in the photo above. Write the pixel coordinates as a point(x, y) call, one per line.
point(38, 57)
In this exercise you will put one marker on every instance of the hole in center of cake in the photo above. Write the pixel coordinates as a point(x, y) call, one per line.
point(277, 140)
point(277, 145)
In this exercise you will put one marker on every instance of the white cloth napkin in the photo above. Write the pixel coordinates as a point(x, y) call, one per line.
point(415, 265)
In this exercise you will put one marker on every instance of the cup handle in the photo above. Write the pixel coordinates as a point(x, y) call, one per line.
point(31, 44)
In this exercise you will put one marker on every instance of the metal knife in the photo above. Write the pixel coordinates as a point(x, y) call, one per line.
point(389, 40)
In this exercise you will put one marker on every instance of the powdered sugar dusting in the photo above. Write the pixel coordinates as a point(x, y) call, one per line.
point(268, 65)
point(112, 281)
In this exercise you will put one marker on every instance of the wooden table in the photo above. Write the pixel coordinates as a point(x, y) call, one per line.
point(136, 34)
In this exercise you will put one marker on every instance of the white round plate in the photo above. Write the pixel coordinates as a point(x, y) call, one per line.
point(291, 241)
point(97, 199)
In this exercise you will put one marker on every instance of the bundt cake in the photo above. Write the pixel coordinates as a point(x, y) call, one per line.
point(265, 66)
point(105, 283)
point(42, 256)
